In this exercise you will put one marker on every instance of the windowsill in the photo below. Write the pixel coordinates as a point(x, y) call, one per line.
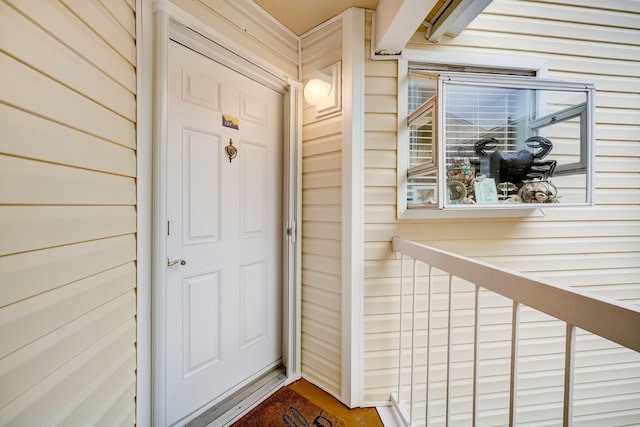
point(471, 212)
point(485, 211)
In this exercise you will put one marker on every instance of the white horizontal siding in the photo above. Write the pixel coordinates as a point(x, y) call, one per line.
point(45, 183)
point(123, 12)
point(322, 48)
point(40, 50)
point(68, 213)
point(61, 264)
point(98, 18)
point(321, 223)
point(44, 355)
point(71, 379)
point(23, 87)
point(27, 228)
point(68, 29)
point(35, 317)
point(596, 249)
point(33, 137)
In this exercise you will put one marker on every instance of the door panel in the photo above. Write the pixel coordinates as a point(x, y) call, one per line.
point(224, 305)
point(253, 190)
point(253, 109)
point(201, 199)
point(201, 90)
point(253, 309)
point(201, 304)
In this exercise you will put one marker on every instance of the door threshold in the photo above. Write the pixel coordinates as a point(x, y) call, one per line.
point(240, 402)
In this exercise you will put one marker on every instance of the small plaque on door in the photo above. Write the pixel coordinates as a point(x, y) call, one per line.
point(230, 121)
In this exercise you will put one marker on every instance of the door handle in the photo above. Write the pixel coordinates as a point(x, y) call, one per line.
point(176, 261)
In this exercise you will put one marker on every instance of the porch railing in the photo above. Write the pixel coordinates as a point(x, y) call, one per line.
point(580, 311)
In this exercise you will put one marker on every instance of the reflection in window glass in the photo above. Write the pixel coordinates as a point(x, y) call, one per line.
point(516, 139)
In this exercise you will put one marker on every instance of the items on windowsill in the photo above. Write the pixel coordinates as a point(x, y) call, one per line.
point(538, 191)
point(515, 167)
point(426, 196)
point(507, 189)
point(460, 178)
point(456, 191)
point(501, 176)
point(462, 171)
point(485, 190)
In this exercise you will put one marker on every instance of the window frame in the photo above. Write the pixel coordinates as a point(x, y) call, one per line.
point(508, 72)
point(429, 106)
point(581, 110)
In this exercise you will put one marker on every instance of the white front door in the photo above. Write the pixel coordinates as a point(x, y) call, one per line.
point(225, 221)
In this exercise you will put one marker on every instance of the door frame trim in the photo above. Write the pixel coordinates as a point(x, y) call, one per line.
point(232, 56)
point(144, 137)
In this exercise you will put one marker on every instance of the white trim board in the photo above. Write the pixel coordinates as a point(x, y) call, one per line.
point(144, 185)
point(504, 62)
point(353, 53)
point(159, 214)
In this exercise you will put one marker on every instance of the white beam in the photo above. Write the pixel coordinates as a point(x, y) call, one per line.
point(396, 21)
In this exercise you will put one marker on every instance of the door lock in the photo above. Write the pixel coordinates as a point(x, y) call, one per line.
point(176, 261)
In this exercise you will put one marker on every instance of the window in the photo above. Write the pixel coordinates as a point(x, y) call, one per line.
point(495, 141)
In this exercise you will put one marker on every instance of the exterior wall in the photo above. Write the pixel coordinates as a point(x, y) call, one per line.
point(249, 28)
point(321, 222)
point(68, 213)
point(596, 249)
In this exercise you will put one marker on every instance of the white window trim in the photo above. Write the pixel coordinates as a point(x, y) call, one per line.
point(539, 67)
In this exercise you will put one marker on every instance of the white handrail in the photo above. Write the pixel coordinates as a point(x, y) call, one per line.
point(613, 320)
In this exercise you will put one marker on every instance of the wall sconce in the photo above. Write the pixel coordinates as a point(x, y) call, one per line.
point(323, 90)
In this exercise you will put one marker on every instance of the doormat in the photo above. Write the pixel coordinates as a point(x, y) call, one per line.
point(288, 409)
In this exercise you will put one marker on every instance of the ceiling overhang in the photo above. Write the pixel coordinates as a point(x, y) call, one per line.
point(396, 21)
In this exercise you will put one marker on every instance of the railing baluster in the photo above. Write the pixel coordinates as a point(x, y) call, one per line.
point(429, 318)
point(413, 340)
point(515, 322)
point(401, 318)
point(476, 354)
point(569, 361)
point(449, 335)
point(396, 396)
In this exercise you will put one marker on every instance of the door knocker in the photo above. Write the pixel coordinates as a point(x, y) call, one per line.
point(232, 151)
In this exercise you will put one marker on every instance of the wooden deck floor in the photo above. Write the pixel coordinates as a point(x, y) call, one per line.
point(352, 417)
point(357, 417)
